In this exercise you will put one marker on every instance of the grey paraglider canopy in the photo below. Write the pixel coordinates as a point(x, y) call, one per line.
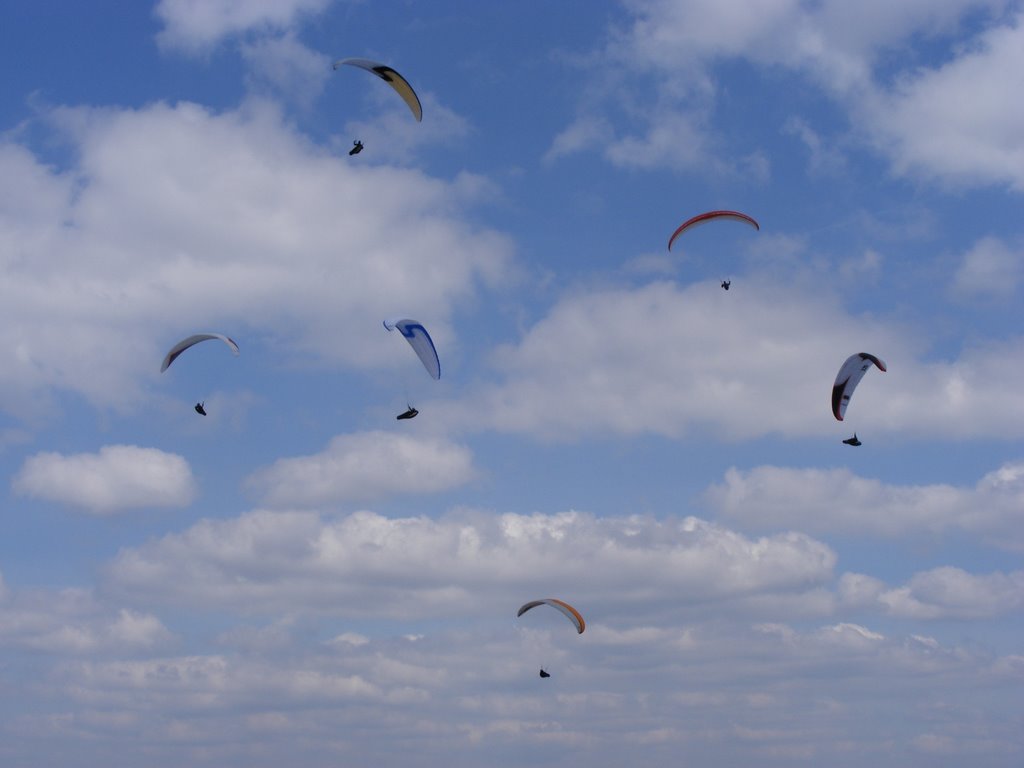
point(191, 341)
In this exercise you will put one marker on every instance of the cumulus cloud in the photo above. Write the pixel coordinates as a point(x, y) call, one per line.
point(167, 206)
point(667, 359)
point(398, 135)
point(950, 592)
point(822, 157)
point(670, 360)
point(194, 25)
point(364, 564)
point(989, 270)
point(959, 121)
point(289, 67)
point(682, 669)
point(811, 691)
point(72, 622)
point(672, 140)
point(117, 478)
point(362, 467)
point(940, 593)
point(837, 500)
point(956, 120)
point(581, 135)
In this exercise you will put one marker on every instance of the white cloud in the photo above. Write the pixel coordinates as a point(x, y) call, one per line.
point(71, 622)
point(389, 130)
point(672, 140)
point(193, 25)
point(667, 35)
point(837, 500)
point(275, 637)
point(351, 639)
point(953, 593)
point(859, 590)
point(757, 690)
point(668, 360)
point(989, 270)
point(583, 134)
point(939, 593)
point(823, 157)
point(759, 360)
point(175, 218)
point(293, 70)
point(960, 121)
point(117, 478)
point(364, 564)
point(365, 466)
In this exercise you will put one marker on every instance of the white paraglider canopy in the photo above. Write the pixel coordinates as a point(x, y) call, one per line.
point(849, 376)
point(420, 341)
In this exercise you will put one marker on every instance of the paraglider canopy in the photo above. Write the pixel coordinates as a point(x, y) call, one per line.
point(191, 341)
point(392, 78)
point(704, 218)
point(564, 608)
point(849, 376)
point(420, 341)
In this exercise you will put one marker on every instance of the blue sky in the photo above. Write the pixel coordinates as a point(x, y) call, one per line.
point(298, 577)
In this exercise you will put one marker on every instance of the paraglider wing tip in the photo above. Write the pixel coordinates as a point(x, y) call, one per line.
point(874, 359)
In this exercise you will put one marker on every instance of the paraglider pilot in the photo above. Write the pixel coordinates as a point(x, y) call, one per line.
point(357, 147)
point(852, 440)
point(408, 414)
point(726, 284)
point(543, 673)
point(200, 409)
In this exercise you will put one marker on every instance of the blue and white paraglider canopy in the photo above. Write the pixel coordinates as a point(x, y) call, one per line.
point(420, 341)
